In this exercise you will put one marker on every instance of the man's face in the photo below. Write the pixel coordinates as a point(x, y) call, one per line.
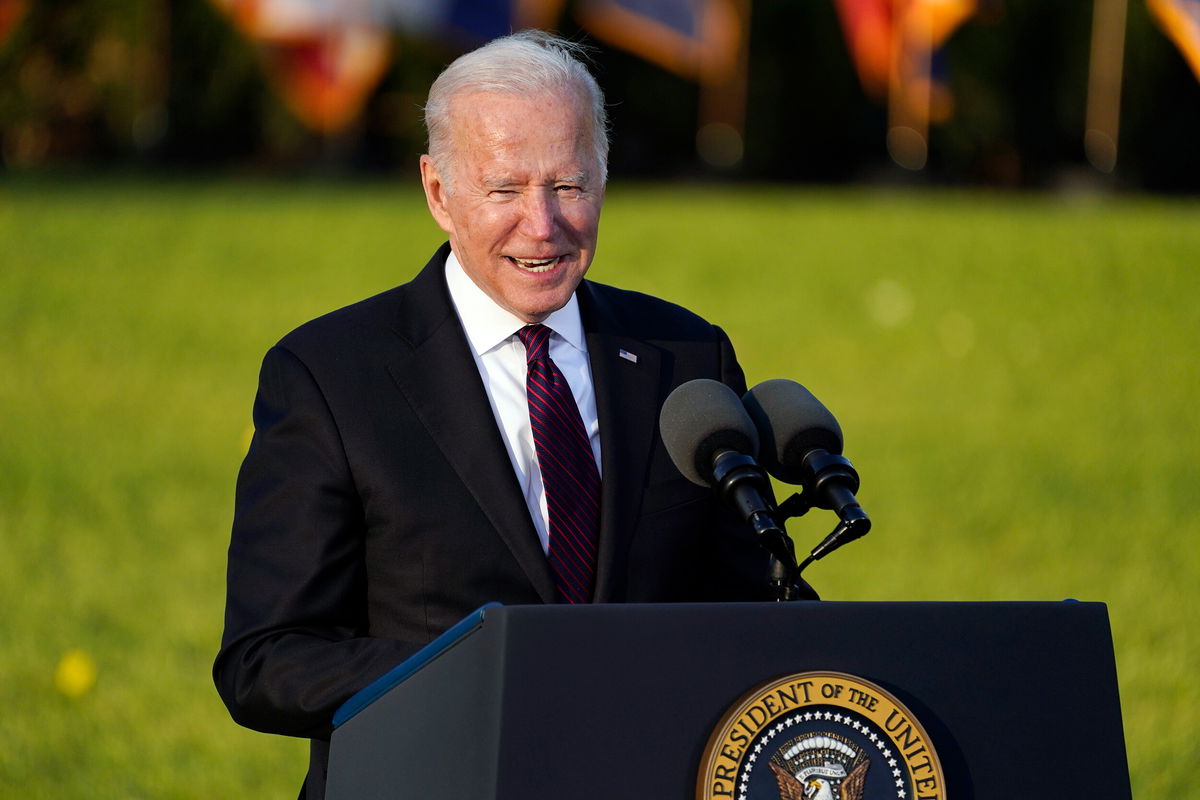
point(522, 202)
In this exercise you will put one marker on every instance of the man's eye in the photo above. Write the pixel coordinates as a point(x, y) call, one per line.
point(566, 187)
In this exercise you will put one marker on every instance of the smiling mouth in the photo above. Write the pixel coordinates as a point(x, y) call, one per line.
point(535, 264)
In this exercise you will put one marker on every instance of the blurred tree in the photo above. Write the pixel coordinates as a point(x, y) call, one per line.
point(219, 105)
point(83, 81)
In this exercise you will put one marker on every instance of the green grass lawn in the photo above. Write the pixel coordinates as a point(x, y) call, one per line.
point(1015, 376)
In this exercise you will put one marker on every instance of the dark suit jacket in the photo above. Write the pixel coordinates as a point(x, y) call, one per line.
point(377, 504)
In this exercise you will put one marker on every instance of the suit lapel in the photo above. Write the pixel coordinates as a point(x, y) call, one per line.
point(438, 377)
point(626, 374)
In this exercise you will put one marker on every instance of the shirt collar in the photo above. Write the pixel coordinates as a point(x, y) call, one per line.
point(488, 326)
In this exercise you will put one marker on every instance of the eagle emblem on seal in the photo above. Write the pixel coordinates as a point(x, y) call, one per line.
point(821, 766)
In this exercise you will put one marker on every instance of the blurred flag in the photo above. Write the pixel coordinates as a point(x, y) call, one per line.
point(940, 17)
point(477, 21)
point(11, 12)
point(325, 57)
point(705, 41)
point(867, 27)
point(697, 39)
point(1181, 21)
point(894, 46)
point(925, 25)
point(894, 41)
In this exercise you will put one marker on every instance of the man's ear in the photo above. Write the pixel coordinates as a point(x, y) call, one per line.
point(435, 194)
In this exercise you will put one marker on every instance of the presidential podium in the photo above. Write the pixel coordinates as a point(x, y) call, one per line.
point(618, 702)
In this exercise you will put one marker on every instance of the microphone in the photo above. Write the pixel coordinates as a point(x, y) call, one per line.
point(712, 441)
point(802, 445)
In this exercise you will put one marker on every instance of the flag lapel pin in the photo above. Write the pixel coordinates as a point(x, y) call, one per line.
point(628, 356)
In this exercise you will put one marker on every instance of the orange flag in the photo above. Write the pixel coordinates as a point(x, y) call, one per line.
point(867, 27)
point(892, 43)
point(1181, 21)
point(324, 66)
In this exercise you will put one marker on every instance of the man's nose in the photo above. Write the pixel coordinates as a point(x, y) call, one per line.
point(539, 214)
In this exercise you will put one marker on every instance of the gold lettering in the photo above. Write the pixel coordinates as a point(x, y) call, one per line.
point(925, 765)
point(757, 718)
point(787, 696)
point(831, 690)
point(905, 738)
point(863, 699)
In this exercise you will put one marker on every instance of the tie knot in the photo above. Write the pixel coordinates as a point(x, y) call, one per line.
point(536, 339)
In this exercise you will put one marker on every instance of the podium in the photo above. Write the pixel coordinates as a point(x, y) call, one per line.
point(618, 701)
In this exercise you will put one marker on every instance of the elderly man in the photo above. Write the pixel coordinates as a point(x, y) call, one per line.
point(486, 432)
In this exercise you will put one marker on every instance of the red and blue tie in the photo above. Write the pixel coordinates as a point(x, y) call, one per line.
point(568, 468)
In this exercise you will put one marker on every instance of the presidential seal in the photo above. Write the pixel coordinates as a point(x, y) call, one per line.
point(819, 736)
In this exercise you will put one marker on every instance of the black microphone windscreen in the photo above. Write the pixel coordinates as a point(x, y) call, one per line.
point(699, 418)
point(790, 423)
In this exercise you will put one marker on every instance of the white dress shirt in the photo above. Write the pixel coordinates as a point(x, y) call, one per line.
point(500, 357)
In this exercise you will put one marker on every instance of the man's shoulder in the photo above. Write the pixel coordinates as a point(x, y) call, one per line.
point(390, 313)
point(696, 347)
point(644, 316)
point(375, 313)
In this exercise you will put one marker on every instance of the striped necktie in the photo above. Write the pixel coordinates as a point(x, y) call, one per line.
point(568, 468)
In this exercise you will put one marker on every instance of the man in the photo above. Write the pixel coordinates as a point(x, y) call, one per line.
point(402, 474)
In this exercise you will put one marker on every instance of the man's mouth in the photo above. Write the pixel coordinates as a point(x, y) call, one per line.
point(535, 264)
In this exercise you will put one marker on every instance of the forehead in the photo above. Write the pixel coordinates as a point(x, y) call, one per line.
point(506, 127)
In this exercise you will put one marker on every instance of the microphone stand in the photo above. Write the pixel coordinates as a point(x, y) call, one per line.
point(742, 482)
point(834, 480)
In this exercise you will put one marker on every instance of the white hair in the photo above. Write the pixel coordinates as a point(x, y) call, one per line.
point(528, 62)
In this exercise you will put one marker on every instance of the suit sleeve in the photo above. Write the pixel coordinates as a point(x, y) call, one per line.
point(295, 646)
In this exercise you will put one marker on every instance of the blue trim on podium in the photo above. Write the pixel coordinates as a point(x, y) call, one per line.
point(378, 687)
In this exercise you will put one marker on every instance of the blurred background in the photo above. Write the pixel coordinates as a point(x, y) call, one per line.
point(1022, 93)
point(970, 227)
